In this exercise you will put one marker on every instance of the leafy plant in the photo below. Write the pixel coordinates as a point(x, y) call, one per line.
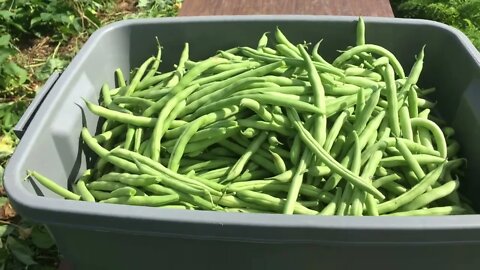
point(462, 14)
point(156, 8)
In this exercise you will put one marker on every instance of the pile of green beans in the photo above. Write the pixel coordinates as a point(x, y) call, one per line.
point(274, 129)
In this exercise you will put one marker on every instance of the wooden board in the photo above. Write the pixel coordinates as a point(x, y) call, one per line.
point(378, 8)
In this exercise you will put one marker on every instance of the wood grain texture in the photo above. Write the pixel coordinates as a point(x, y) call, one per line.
point(379, 8)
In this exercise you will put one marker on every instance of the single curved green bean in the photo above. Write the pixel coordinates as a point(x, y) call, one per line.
point(371, 48)
point(436, 132)
point(126, 118)
point(54, 187)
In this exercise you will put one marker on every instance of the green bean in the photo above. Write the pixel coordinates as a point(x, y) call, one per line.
point(105, 154)
point(278, 161)
point(218, 76)
point(136, 180)
point(282, 39)
point(344, 102)
point(154, 201)
point(320, 121)
point(372, 49)
point(430, 196)
point(156, 63)
point(434, 211)
point(364, 137)
point(133, 101)
point(379, 182)
point(355, 168)
point(392, 100)
point(422, 159)
point(394, 188)
point(415, 72)
point(360, 32)
point(154, 81)
point(296, 181)
point(237, 168)
point(199, 98)
point(284, 50)
point(260, 160)
point(412, 103)
point(273, 202)
point(138, 137)
point(136, 79)
point(436, 132)
point(215, 174)
point(329, 161)
point(100, 195)
point(126, 118)
point(410, 159)
point(361, 119)
point(357, 71)
point(414, 192)
point(104, 185)
point(124, 191)
point(110, 134)
point(54, 187)
point(412, 146)
point(129, 137)
point(335, 129)
point(82, 188)
point(330, 209)
point(120, 78)
point(316, 56)
point(266, 126)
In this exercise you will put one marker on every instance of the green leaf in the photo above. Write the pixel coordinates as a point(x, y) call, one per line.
point(4, 230)
point(41, 238)
point(15, 70)
point(5, 40)
point(6, 15)
point(21, 251)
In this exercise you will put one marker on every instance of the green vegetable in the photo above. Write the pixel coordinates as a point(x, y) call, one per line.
point(274, 131)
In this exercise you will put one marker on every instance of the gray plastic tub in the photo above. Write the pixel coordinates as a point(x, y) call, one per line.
point(102, 236)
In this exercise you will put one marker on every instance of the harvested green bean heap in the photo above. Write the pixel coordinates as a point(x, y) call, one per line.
point(275, 130)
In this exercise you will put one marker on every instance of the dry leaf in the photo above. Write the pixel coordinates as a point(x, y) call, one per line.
point(7, 212)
